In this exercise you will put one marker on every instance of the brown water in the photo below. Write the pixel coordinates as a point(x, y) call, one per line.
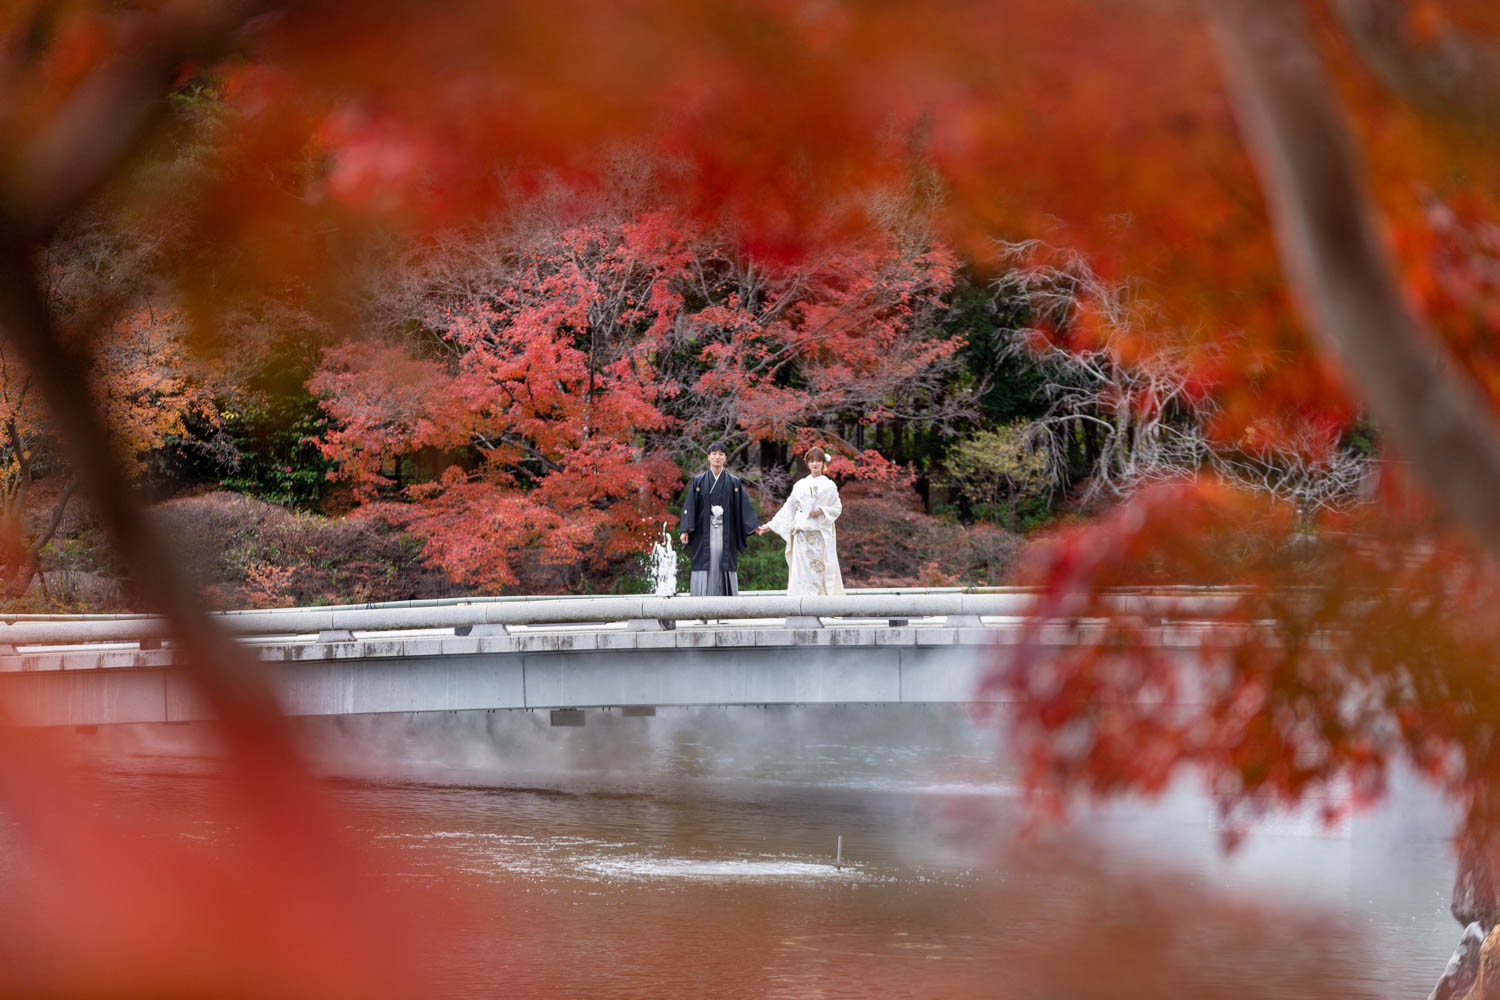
point(693, 854)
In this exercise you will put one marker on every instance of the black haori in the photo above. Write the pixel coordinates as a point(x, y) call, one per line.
point(714, 566)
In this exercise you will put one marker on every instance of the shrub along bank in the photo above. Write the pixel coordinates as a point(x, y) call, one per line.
point(246, 552)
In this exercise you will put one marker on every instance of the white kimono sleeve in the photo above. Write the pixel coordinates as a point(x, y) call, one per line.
point(831, 508)
point(782, 522)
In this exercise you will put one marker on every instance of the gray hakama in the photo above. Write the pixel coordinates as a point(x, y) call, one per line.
point(716, 581)
point(719, 519)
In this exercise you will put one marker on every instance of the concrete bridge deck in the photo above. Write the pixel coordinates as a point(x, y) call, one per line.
point(564, 654)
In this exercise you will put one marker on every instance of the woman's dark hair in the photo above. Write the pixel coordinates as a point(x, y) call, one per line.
point(816, 455)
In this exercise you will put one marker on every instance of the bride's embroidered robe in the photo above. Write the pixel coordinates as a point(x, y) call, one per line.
point(812, 555)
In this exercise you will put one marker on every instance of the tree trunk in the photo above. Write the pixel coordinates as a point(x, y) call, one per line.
point(1338, 266)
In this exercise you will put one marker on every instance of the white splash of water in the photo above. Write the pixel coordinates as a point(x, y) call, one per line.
point(662, 565)
point(646, 868)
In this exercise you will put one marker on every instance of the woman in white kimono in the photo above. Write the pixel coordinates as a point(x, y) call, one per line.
point(806, 522)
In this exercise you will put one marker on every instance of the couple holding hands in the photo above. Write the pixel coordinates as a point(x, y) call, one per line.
point(718, 519)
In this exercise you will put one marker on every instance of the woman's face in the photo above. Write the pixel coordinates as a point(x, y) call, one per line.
point(814, 467)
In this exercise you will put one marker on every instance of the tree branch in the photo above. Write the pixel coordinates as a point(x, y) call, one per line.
point(1446, 73)
point(49, 173)
point(52, 171)
point(45, 535)
point(230, 678)
point(1345, 284)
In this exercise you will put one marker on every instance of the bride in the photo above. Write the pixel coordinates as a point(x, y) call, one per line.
point(806, 522)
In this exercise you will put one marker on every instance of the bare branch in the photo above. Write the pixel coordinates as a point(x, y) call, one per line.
point(1148, 430)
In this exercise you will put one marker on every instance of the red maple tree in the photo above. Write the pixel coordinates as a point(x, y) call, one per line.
point(561, 364)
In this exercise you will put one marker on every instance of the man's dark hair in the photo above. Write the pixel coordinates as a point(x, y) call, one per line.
point(716, 446)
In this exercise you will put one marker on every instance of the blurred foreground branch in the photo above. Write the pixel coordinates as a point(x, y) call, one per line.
point(48, 171)
point(1338, 268)
point(1432, 65)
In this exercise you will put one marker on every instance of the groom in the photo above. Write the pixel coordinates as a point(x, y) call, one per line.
point(717, 521)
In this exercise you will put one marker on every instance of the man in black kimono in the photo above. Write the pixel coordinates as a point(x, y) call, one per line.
point(717, 521)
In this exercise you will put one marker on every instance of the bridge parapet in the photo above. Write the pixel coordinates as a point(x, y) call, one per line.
point(968, 607)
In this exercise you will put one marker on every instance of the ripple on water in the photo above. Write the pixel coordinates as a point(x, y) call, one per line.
point(552, 857)
point(647, 868)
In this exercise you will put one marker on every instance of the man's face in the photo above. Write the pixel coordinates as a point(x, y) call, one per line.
point(716, 461)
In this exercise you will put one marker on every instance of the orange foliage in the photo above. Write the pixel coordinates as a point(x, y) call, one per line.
point(1019, 108)
point(1103, 126)
point(140, 377)
point(1341, 651)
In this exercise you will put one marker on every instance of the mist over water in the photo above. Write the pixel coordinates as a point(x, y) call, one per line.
point(693, 852)
point(886, 746)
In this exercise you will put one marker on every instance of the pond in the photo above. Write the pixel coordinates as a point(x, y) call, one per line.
point(813, 852)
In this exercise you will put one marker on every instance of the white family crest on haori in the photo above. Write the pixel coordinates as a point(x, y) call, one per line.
point(812, 556)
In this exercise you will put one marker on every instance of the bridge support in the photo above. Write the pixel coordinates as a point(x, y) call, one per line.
point(650, 625)
point(480, 631)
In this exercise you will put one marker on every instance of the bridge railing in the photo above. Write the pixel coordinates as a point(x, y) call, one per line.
point(637, 611)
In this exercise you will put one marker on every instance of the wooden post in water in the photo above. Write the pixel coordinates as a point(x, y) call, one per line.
point(838, 859)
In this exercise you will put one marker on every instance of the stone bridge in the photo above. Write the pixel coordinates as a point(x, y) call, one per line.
point(562, 655)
